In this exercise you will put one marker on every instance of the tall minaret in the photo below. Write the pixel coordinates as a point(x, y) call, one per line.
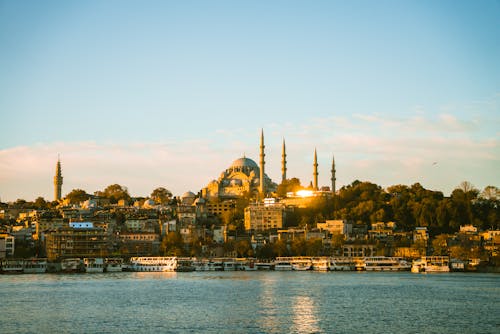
point(262, 187)
point(315, 171)
point(58, 181)
point(333, 176)
point(333, 187)
point(283, 162)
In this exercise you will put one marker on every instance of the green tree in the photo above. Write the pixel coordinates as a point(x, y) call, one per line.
point(440, 245)
point(244, 248)
point(40, 203)
point(280, 248)
point(114, 193)
point(76, 196)
point(172, 244)
point(161, 195)
point(314, 247)
point(298, 247)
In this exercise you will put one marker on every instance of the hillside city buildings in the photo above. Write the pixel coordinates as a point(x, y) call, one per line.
point(237, 214)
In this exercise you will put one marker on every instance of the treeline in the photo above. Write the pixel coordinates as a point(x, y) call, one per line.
point(411, 206)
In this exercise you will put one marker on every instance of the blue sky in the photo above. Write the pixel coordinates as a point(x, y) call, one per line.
point(164, 93)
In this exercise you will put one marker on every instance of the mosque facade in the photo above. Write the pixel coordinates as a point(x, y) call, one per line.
point(242, 178)
point(245, 178)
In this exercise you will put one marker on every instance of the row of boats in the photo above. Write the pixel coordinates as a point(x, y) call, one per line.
point(180, 264)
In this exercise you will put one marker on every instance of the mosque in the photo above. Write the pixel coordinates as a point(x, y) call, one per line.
point(245, 178)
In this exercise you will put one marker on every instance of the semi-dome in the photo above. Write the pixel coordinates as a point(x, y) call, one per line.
point(244, 162)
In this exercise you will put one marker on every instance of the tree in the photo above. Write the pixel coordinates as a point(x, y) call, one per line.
point(161, 195)
point(172, 244)
point(314, 247)
point(40, 203)
point(244, 248)
point(280, 248)
point(115, 192)
point(440, 245)
point(491, 193)
point(76, 196)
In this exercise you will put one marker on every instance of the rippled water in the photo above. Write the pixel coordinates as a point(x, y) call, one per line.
point(250, 302)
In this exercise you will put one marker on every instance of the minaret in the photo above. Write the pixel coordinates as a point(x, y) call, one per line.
point(315, 172)
point(58, 181)
point(333, 176)
point(333, 187)
point(262, 187)
point(283, 162)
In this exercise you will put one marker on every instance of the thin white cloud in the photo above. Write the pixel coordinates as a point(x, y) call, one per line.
point(438, 151)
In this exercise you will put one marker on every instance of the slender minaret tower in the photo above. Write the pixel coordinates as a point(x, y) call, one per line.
point(262, 187)
point(58, 181)
point(315, 171)
point(333, 176)
point(283, 162)
point(334, 191)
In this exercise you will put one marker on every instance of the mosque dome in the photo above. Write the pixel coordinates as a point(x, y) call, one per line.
point(188, 194)
point(244, 162)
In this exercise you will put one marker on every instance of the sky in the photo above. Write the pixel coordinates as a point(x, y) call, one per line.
point(152, 94)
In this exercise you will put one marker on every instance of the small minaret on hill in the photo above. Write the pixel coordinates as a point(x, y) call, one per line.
point(334, 190)
point(58, 181)
point(262, 188)
point(315, 171)
point(283, 162)
point(333, 176)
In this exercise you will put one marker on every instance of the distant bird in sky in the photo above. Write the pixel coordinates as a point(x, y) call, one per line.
point(434, 163)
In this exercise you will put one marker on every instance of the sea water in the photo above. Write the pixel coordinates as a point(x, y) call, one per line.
point(250, 302)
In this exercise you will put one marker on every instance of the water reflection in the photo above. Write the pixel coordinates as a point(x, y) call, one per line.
point(268, 316)
point(304, 315)
point(155, 275)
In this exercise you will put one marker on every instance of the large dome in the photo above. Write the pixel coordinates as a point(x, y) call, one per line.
point(244, 162)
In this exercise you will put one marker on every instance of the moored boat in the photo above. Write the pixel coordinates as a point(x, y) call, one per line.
point(93, 265)
point(154, 263)
point(383, 263)
point(431, 264)
point(341, 264)
point(11, 266)
point(114, 264)
point(320, 263)
point(301, 263)
point(282, 264)
point(35, 266)
point(71, 265)
point(264, 266)
point(184, 264)
point(246, 264)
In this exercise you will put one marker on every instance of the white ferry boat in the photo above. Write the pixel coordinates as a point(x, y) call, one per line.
point(320, 264)
point(71, 265)
point(431, 264)
point(282, 264)
point(230, 265)
point(155, 263)
point(35, 266)
point(113, 264)
point(383, 263)
point(215, 265)
point(301, 263)
point(342, 264)
point(246, 264)
point(11, 266)
point(184, 264)
point(93, 265)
